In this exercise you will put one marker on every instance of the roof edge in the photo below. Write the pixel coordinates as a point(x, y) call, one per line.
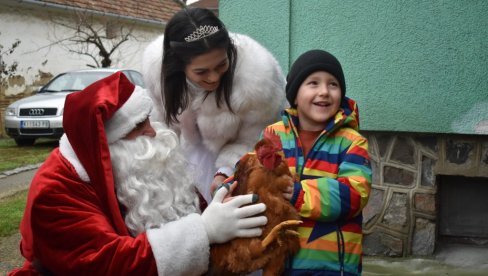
point(59, 7)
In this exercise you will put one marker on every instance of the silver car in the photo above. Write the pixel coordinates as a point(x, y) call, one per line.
point(41, 115)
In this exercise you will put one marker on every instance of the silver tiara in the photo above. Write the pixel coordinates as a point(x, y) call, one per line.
point(201, 32)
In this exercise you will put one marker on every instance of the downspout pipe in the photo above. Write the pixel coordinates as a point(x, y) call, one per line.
point(54, 6)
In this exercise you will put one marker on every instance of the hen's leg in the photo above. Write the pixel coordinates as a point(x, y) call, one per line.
point(256, 248)
point(273, 235)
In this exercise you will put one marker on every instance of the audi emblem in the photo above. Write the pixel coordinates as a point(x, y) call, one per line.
point(36, 111)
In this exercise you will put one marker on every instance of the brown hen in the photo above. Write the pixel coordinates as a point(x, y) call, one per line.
point(266, 174)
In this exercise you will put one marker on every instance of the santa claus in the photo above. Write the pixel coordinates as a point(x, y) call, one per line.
point(116, 197)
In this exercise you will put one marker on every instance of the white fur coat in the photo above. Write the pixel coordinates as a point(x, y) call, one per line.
point(216, 135)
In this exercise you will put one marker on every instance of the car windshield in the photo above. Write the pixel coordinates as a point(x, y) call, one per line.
point(73, 81)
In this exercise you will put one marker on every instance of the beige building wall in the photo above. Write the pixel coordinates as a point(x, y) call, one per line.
point(39, 58)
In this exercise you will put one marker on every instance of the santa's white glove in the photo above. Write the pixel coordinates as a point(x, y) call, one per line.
point(226, 221)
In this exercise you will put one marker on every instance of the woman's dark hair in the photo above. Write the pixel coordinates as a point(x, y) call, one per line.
point(178, 53)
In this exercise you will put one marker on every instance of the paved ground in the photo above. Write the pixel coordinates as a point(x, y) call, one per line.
point(454, 259)
point(16, 180)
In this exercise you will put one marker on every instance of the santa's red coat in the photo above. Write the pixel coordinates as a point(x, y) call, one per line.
point(72, 222)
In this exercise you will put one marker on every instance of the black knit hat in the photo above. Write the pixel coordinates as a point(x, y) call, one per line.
point(308, 63)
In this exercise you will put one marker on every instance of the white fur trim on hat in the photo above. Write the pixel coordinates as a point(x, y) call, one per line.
point(135, 110)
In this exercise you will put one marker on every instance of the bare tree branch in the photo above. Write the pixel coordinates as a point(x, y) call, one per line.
point(89, 36)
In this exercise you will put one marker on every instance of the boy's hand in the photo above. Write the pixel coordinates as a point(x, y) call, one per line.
point(288, 192)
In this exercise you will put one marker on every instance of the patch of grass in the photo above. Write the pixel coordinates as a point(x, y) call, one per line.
point(13, 156)
point(11, 212)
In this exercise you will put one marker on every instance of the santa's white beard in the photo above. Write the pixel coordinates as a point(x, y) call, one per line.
point(152, 180)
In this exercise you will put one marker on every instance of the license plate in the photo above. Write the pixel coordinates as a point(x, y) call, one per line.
point(34, 124)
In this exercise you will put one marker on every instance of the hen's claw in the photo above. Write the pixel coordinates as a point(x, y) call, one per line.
point(292, 232)
point(273, 235)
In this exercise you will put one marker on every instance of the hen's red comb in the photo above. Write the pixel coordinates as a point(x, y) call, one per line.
point(270, 134)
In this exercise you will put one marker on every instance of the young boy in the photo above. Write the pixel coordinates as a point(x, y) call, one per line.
point(323, 148)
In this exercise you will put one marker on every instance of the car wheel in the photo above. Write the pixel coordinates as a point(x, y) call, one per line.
point(25, 141)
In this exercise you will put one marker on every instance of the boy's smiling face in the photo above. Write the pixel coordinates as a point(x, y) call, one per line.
point(318, 99)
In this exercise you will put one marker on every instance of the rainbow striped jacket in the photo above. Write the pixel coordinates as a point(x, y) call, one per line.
point(332, 188)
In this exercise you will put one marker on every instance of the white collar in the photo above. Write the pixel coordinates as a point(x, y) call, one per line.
point(67, 151)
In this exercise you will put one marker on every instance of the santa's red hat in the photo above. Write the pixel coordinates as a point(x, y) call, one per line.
point(102, 113)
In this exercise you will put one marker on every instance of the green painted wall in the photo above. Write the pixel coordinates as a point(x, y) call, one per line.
point(267, 22)
point(416, 66)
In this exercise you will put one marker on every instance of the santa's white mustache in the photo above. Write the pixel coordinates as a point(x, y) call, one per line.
point(152, 180)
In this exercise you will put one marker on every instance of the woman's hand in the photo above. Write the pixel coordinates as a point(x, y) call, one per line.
point(218, 179)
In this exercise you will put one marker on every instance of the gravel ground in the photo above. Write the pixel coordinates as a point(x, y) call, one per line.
point(12, 182)
point(10, 257)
